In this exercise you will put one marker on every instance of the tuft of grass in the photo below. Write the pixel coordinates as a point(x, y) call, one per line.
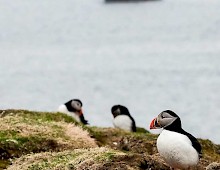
point(108, 156)
point(8, 134)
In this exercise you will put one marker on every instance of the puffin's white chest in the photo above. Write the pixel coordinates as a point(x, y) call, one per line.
point(123, 122)
point(62, 108)
point(177, 149)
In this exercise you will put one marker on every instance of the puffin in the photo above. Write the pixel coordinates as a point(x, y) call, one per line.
point(122, 118)
point(178, 148)
point(73, 108)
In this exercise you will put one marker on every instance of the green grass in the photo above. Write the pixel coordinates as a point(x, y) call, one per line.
point(8, 134)
point(39, 116)
point(108, 156)
point(210, 150)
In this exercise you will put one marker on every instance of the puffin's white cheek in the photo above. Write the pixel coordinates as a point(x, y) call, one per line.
point(77, 107)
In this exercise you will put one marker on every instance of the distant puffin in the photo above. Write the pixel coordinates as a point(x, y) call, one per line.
point(177, 147)
point(73, 108)
point(122, 118)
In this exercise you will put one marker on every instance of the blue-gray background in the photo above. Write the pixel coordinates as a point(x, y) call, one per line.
point(149, 56)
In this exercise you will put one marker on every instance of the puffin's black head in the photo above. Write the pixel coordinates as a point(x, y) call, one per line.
point(119, 110)
point(74, 105)
point(167, 120)
point(77, 101)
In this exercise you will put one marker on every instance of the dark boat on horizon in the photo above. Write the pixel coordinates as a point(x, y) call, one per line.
point(112, 1)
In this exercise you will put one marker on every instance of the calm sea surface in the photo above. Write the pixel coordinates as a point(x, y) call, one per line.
point(149, 56)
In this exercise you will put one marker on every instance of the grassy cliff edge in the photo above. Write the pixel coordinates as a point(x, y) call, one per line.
point(45, 140)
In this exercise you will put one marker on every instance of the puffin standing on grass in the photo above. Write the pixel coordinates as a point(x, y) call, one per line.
point(122, 118)
point(73, 108)
point(177, 147)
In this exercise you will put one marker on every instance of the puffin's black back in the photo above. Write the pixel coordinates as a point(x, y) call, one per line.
point(176, 126)
point(195, 142)
point(125, 111)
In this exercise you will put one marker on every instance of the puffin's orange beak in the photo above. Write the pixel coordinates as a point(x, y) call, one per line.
point(152, 124)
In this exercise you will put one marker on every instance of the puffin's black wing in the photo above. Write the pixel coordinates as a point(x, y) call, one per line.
point(133, 124)
point(134, 127)
point(195, 143)
point(82, 119)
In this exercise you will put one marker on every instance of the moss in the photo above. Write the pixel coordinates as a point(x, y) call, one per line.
point(5, 134)
point(210, 150)
point(38, 116)
point(108, 156)
point(145, 135)
point(24, 145)
point(142, 130)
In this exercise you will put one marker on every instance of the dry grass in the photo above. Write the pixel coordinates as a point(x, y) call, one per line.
point(100, 158)
point(25, 127)
point(75, 159)
point(36, 132)
point(62, 131)
point(80, 138)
